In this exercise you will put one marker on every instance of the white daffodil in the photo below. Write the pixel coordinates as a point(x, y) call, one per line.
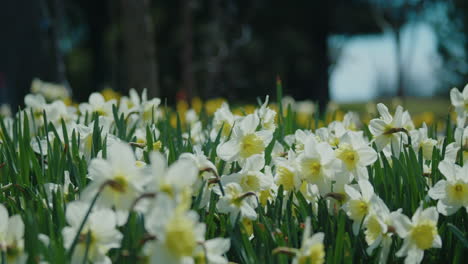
point(388, 129)
point(337, 196)
point(267, 116)
point(250, 178)
point(132, 103)
point(460, 145)
point(460, 102)
point(359, 203)
point(300, 137)
point(245, 141)
point(237, 203)
point(197, 134)
point(212, 251)
point(379, 229)
point(85, 135)
point(355, 154)
point(311, 193)
point(97, 104)
point(118, 175)
point(51, 188)
point(223, 117)
point(206, 168)
point(58, 111)
point(421, 140)
point(269, 194)
point(351, 121)
point(12, 237)
point(177, 232)
point(206, 172)
point(51, 91)
point(139, 108)
point(419, 233)
point(176, 180)
point(35, 105)
point(407, 121)
point(332, 133)
point(98, 236)
point(452, 193)
point(312, 249)
point(317, 163)
point(287, 172)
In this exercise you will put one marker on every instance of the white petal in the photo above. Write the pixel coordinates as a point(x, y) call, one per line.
point(377, 126)
point(352, 192)
point(182, 173)
point(326, 153)
point(158, 164)
point(448, 169)
point(414, 256)
point(367, 155)
point(383, 111)
point(3, 219)
point(367, 189)
point(438, 190)
point(381, 142)
point(96, 99)
point(402, 224)
point(229, 150)
point(121, 155)
point(254, 163)
point(76, 212)
point(430, 213)
point(218, 245)
point(456, 97)
point(15, 230)
point(265, 135)
point(447, 209)
point(437, 242)
point(249, 123)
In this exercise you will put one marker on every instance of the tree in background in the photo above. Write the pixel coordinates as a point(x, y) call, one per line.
point(139, 46)
point(210, 48)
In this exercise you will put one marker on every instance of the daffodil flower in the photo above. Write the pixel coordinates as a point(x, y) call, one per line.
point(419, 233)
point(223, 118)
point(452, 192)
point(12, 237)
point(122, 181)
point(317, 163)
point(237, 203)
point(287, 172)
point(355, 154)
point(379, 229)
point(312, 249)
point(420, 140)
point(388, 129)
point(177, 232)
point(460, 102)
point(245, 140)
point(359, 203)
point(250, 178)
point(97, 236)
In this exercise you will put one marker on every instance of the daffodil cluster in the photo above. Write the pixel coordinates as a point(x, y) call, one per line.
point(126, 180)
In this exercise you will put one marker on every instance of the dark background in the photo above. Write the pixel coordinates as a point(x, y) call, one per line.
point(206, 48)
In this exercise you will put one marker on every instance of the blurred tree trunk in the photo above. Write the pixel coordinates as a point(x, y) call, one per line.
point(25, 49)
point(186, 59)
point(139, 46)
point(58, 33)
point(399, 63)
